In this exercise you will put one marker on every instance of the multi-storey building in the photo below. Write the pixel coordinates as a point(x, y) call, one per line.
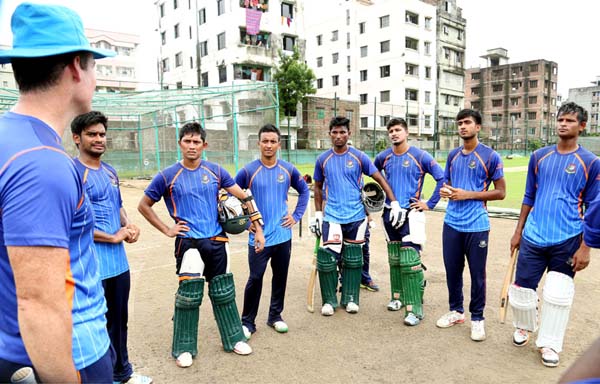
point(588, 98)
point(7, 79)
point(517, 101)
point(451, 44)
point(381, 53)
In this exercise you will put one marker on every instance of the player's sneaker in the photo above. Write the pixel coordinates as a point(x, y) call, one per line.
point(184, 360)
point(242, 348)
point(327, 310)
point(247, 333)
point(411, 319)
point(394, 305)
point(450, 318)
point(520, 337)
point(549, 357)
point(477, 330)
point(370, 286)
point(138, 379)
point(279, 326)
point(352, 307)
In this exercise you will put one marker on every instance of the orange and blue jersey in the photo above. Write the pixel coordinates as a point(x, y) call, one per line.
point(341, 175)
point(102, 188)
point(405, 173)
point(191, 195)
point(42, 203)
point(591, 227)
point(270, 186)
point(558, 188)
point(474, 171)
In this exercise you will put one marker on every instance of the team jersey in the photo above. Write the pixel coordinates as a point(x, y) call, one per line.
point(102, 188)
point(558, 186)
point(472, 172)
point(42, 203)
point(192, 195)
point(269, 186)
point(405, 173)
point(341, 175)
point(591, 228)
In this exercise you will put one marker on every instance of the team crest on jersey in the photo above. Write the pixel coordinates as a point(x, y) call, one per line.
point(337, 238)
point(571, 168)
point(113, 181)
point(349, 164)
point(205, 179)
point(472, 164)
point(405, 163)
point(280, 178)
point(482, 244)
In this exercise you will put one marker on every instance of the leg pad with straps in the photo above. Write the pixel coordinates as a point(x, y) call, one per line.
point(222, 295)
point(559, 291)
point(413, 280)
point(328, 276)
point(352, 261)
point(185, 320)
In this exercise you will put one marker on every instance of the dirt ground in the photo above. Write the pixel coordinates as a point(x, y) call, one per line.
point(371, 346)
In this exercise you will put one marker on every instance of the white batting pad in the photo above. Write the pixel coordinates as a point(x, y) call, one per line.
point(523, 302)
point(416, 226)
point(192, 262)
point(558, 294)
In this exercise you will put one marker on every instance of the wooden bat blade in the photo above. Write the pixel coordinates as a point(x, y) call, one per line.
point(310, 293)
point(508, 279)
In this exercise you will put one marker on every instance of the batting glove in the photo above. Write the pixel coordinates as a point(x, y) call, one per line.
point(397, 214)
point(317, 223)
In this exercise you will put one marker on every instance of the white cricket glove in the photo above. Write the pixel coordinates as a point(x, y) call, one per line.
point(397, 214)
point(316, 224)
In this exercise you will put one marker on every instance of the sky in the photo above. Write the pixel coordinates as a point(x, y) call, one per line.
point(556, 30)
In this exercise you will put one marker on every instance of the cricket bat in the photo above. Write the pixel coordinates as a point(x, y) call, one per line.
point(508, 279)
point(312, 280)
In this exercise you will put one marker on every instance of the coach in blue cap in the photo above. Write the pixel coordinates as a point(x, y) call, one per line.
point(52, 311)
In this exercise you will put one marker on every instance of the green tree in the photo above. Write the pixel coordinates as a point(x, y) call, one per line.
point(295, 81)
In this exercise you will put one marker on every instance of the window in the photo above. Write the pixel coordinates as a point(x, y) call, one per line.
point(533, 83)
point(497, 88)
point(412, 69)
point(475, 105)
point(384, 46)
point(446, 53)
point(348, 66)
point(335, 80)
point(516, 70)
point(428, 72)
point(288, 43)
point(498, 72)
point(362, 27)
point(319, 62)
point(319, 39)
point(413, 120)
point(204, 48)
point(531, 115)
point(349, 87)
point(383, 120)
point(554, 70)
point(384, 71)
point(460, 34)
point(385, 97)
point(428, 23)
point(221, 41)
point(497, 103)
point(222, 74)
point(384, 21)
point(319, 83)
point(178, 60)
point(427, 96)
point(533, 68)
point(427, 46)
point(412, 18)
point(176, 30)
point(334, 58)
point(514, 101)
point(363, 51)
point(515, 115)
point(411, 94)
point(220, 8)
point(364, 122)
point(251, 72)
point(363, 75)
point(174, 4)
point(445, 30)
point(496, 117)
point(163, 38)
point(476, 76)
point(287, 10)
point(347, 39)
point(347, 17)
point(190, 32)
point(191, 62)
point(204, 77)
point(532, 100)
point(515, 85)
point(334, 35)
point(411, 43)
point(162, 10)
point(363, 98)
point(475, 91)
point(320, 113)
point(179, 85)
point(165, 65)
point(427, 121)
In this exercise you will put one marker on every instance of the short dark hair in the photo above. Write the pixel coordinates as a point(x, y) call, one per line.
point(191, 129)
point(571, 107)
point(81, 122)
point(467, 112)
point(269, 128)
point(397, 121)
point(41, 73)
point(339, 121)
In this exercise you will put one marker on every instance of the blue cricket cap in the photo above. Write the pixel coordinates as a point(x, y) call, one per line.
point(47, 30)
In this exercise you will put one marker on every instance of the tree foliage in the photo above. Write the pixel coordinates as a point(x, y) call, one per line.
point(295, 81)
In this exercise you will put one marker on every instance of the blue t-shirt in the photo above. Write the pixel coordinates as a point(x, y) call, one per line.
point(591, 228)
point(341, 175)
point(102, 188)
point(472, 172)
point(558, 186)
point(269, 186)
point(42, 203)
point(405, 174)
point(192, 195)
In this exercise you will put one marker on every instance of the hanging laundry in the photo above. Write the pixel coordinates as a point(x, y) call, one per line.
point(289, 21)
point(252, 21)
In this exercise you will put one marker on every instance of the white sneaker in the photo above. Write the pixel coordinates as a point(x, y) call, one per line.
point(184, 360)
point(549, 357)
point(411, 319)
point(450, 318)
point(394, 305)
point(280, 326)
point(520, 337)
point(139, 379)
point(352, 307)
point(477, 330)
point(242, 348)
point(247, 333)
point(327, 310)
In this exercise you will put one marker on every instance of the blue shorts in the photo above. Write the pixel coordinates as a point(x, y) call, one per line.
point(212, 251)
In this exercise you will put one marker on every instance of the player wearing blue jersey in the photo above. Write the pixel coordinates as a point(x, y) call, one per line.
point(52, 305)
point(269, 180)
point(404, 168)
point(112, 227)
point(470, 170)
point(340, 210)
point(562, 179)
point(190, 189)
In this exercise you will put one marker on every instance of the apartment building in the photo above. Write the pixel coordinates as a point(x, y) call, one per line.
point(517, 100)
point(380, 53)
point(588, 98)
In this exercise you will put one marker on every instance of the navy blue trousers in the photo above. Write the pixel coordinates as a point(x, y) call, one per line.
point(279, 255)
point(116, 292)
point(365, 277)
point(474, 247)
